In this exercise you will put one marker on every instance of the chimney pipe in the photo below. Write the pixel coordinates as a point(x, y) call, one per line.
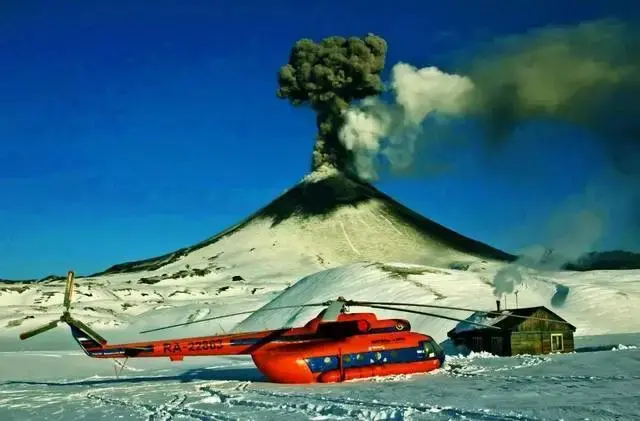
point(498, 304)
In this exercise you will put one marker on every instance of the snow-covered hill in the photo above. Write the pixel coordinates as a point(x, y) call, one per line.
point(598, 302)
point(595, 302)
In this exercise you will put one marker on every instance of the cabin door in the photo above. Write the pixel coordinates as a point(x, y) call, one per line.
point(557, 342)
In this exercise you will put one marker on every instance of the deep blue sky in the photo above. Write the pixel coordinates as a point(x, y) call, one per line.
point(130, 130)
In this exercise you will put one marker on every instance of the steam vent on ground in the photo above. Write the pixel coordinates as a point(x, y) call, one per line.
point(332, 217)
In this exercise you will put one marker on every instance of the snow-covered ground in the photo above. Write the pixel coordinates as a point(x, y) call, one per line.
point(47, 378)
point(598, 385)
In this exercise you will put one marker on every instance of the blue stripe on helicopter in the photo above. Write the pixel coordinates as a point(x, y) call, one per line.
point(402, 355)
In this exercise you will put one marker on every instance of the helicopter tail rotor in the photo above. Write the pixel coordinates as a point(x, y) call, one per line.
point(66, 317)
point(39, 330)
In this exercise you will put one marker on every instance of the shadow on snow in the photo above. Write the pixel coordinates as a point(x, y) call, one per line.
point(200, 374)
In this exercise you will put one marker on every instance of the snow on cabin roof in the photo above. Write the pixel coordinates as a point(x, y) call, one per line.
point(503, 320)
point(478, 317)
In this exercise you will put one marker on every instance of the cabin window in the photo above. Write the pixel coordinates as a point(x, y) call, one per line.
point(496, 345)
point(477, 343)
point(557, 342)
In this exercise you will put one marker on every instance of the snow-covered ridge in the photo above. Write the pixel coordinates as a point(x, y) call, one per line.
point(598, 302)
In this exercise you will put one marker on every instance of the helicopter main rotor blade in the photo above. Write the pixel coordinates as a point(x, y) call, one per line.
point(493, 312)
point(333, 310)
point(240, 313)
point(424, 313)
point(39, 330)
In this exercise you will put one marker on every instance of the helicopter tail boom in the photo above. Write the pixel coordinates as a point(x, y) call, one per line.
point(176, 349)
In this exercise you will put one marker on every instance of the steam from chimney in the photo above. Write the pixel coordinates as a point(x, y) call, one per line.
point(574, 230)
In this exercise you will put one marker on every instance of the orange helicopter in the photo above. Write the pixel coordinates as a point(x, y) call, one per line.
point(334, 346)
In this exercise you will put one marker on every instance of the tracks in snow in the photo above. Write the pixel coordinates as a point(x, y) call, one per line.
point(166, 412)
point(317, 406)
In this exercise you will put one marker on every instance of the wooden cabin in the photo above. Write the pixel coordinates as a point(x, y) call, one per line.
point(516, 335)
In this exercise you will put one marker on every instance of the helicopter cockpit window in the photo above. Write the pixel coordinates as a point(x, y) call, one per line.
point(430, 348)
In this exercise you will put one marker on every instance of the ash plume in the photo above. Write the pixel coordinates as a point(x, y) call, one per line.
point(586, 75)
point(328, 76)
point(580, 75)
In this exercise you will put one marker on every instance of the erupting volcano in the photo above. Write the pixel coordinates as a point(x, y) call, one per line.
point(333, 216)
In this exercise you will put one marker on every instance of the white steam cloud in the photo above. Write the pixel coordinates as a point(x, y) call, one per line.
point(419, 94)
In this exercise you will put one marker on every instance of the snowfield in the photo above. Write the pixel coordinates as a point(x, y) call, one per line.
point(598, 385)
point(47, 378)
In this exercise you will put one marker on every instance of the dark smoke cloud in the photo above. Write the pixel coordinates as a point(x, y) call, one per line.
point(328, 76)
point(586, 75)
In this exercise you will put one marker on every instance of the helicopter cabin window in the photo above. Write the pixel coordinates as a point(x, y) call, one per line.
point(557, 342)
point(337, 329)
point(429, 351)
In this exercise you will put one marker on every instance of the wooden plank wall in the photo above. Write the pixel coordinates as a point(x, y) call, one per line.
point(526, 343)
point(532, 325)
point(538, 342)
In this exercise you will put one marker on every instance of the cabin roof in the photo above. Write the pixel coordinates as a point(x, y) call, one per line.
point(503, 321)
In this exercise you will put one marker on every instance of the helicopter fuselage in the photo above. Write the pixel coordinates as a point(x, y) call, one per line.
point(355, 345)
